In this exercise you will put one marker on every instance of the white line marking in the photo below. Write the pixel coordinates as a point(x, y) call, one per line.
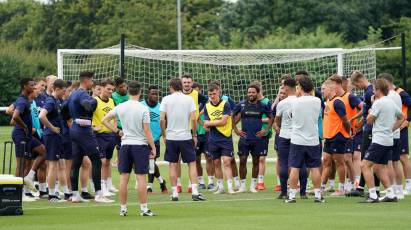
point(150, 203)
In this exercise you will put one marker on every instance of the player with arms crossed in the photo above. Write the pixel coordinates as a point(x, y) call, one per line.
point(217, 118)
point(50, 116)
point(385, 117)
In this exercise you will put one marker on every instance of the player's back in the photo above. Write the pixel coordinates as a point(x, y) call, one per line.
point(132, 114)
point(385, 111)
point(305, 112)
point(178, 107)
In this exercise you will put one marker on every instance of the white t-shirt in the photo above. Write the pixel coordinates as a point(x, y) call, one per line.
point(305, 112)
point(178, 108)
point(385, 111)
point(284, 112)
point(132, 115)
point(397, 101)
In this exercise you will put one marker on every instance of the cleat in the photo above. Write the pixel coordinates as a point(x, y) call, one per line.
point(189, 190)
point(236, 188)
point(355, 193)
point(260, 186)
point(86, 196)
point(210, 187)
point(30, 184)
point(147, 213)
point(338, 193)
point(198, 197)
point(277, 188)
point(282, 196)
point(28, 199)
point(67, 196)
point(288, 200)
point(78, 199)
point(220, 191)
point(43, 195)
point(29, 194)
point(369, 200)
point(304, 197)
point(201, 186)
point(253, 190)
point(407, 192)
point(55, 199)
point(123, 212)
point(231, 191)
point(179, 189)
point(174, 198)
point(319, 200)
point(242, 190)
point(329, 189)
point(150, 191)
point(387, 199)
point(163, 188)
point(102, 199)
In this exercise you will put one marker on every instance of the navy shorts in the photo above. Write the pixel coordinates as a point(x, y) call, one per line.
point(357, 142)
point(256, 148)
point(396, 150)
point(175, 148)
point(106, 144)
point(404, 141)
point(217, 149)
point(202, 145)
point(134, 155)
point(27, 149)
point(84, 143)
point(54, 147)
point(301, 155)
point(336, 145)
point(379, 154)
point(157, 144)
point(67, 148)
point(349, 146)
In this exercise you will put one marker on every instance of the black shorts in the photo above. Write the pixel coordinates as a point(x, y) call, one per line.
point(336, 145)
point(378, 154)
point(54, 147)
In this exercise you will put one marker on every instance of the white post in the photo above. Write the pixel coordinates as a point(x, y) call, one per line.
point(59, 64)
point(340, 64)
point(179, 43)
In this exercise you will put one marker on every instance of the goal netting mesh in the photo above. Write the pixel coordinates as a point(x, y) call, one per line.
point(235, 69)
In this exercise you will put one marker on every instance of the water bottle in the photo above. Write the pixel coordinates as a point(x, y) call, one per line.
point(151, 166)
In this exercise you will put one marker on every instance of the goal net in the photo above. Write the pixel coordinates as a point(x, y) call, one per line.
point(235, 69)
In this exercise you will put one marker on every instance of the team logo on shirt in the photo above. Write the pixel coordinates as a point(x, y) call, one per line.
point(106, 109)
point(154, 116)
point(218, 114)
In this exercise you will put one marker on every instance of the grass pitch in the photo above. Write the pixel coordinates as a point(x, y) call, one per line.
point(239, 211)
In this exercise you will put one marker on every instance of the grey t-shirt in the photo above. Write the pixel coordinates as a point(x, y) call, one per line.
point(395, 97)
point(132, 115)
point(284, 112)
point(305, 112)
point(385, 111)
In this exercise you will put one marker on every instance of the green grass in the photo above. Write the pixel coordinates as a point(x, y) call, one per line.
point(240, 211)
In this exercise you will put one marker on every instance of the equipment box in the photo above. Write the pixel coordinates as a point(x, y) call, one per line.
point(11, 195)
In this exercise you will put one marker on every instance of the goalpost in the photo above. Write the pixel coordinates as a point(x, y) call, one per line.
point(234, 68)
